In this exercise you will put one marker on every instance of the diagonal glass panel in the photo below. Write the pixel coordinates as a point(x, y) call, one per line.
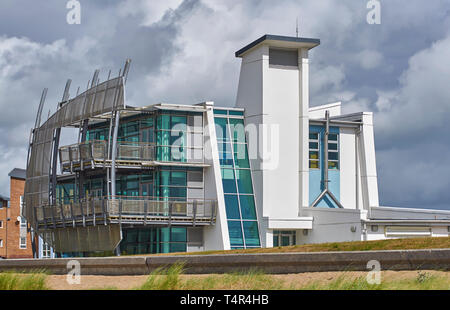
point(235, 231)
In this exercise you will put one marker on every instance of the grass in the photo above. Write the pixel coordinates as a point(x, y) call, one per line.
point(171, 278)
point(423, 281)
point(19, 281)
point(390, 244)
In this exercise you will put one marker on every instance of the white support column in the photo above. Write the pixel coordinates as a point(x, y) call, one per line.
point(216, 237)
point(368, 167)
point(303, 63)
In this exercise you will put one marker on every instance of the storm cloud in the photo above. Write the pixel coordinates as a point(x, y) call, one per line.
point(183, 52)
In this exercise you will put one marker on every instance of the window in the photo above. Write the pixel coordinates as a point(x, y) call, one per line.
point(333, 151)
point(1, 243)
point(314, 150)
point(23, 222)
point(154, 240)
point(23, 243)
point(284, 238)
point(237, 183)
point(179, 137)
point(1, 224)
point(46, 249)
point(283, 57)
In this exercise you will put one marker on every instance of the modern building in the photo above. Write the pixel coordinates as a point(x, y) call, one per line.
point(162, 178)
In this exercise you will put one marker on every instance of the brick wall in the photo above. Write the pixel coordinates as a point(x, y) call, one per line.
point(3, 211)
point(12, 227)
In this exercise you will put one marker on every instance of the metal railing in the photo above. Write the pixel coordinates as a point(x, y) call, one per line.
point(146, 210)
point(76, 155)
point(97, 150)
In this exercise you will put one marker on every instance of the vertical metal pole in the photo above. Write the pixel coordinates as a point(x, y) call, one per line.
point(325, 149)
point(195, 211)
point(170, 213)
point(45, 218)
point(63, 217)
point(104, 210)
point(145, 211)
point(56, 139)
point(82, 213)
point(114, 154)
point(33, 242)
point(93, 210)
point(357, 169)
point(71, 213)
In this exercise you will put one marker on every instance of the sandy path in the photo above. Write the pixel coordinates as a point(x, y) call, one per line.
point(59, 282)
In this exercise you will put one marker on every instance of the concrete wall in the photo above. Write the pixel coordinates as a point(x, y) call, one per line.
point(276, 263)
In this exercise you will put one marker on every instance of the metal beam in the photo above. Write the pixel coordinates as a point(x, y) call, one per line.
point(326, 190)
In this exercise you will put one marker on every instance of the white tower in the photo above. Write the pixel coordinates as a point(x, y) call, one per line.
point(274, 90)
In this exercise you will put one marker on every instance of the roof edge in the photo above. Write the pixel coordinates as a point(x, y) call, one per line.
point(314, 42)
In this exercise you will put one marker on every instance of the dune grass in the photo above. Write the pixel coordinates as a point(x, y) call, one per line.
point(170, 278)
point(423, 281)
point(20, 281)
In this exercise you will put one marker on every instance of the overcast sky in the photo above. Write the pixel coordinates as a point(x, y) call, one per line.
point(183, 52)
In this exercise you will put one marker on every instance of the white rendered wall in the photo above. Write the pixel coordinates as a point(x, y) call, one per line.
point(347, 161)
point(319, 111)
point(440, 231)
point(331, 225)
point(281, 108)
point(215, 237)
point(409, 213)
point(303, 119)
point(377, 235)
point(249, 96)
point(277, 97)
point(436, 231)
point(367, 160)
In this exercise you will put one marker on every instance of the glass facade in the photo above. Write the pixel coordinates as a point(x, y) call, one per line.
point(317, 165)
point(178, 135)
point(236, 180)
point(153, 240)
point(166, 183)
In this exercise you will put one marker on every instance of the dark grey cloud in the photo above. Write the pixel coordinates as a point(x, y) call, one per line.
point(183, 52)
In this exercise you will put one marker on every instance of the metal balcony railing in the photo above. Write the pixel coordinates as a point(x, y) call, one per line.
point(96, 151)
point(124, 209)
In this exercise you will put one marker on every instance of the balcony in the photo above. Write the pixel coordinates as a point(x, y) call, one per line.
point(92, 154)
point(127, 210)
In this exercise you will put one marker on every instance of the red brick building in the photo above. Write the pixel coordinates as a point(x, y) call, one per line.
point(4, 203)
point(15, 241)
